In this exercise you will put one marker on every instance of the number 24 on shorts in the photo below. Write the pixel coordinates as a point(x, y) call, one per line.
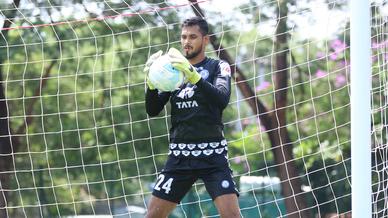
point(166, 186)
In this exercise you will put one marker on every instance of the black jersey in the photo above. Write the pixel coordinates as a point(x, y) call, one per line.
point(196, 110)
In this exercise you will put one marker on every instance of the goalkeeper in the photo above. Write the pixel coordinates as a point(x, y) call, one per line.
point(198, 149)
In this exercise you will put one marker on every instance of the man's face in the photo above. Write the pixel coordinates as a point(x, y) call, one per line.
point(193, 42)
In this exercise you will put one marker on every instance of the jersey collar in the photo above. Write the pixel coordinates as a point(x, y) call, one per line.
point(201, 63)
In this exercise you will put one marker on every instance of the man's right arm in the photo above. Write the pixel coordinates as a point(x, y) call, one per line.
point(155, 101)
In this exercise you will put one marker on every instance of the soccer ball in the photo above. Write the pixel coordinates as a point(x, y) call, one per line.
point(164, 76)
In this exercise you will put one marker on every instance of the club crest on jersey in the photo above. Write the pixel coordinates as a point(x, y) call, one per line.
point(225, 184)
point(204, 73)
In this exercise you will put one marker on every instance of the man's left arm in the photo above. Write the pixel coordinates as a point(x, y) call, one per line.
point(219, 91)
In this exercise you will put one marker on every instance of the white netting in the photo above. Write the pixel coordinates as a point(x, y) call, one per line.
point(76, 140)
point(379, 108)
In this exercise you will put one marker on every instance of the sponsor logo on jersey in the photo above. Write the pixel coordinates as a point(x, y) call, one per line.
point(186, 93)
point(225, 69)
point(186, 104)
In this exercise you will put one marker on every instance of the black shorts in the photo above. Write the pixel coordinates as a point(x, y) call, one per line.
point(179, 174)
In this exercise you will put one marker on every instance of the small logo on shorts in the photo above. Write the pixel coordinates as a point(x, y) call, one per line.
point(225, 184)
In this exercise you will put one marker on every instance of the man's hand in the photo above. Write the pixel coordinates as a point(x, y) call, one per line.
point(182, 64)
point(149, 62)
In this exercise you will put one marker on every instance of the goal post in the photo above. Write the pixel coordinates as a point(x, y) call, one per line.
point(360, 87)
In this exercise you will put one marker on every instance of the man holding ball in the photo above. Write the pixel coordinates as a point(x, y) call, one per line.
point(198, 149)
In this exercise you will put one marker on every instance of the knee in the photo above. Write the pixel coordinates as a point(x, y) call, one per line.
point(230, 214)
point(155, 213)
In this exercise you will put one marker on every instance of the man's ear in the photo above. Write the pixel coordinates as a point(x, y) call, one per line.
point(206, 39)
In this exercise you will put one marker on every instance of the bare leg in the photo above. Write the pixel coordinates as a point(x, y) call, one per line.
point(227, 206)
point(159, 208)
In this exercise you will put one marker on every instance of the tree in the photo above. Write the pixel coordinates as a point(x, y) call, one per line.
point(82, 114)
point(6, 144)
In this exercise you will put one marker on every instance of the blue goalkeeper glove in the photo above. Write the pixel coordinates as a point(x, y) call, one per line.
point(180, 63)
point(149, 62)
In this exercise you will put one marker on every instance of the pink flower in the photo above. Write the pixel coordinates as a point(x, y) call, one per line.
point(343, 63)
point(262, 86)
point(338, 45)
point(333, 56)
point(340, 80)
point(377, 57)
point(375, 45)
point(237, 160)
point(320, 55)
point(374, 58)
point(320, 73)
point(384, 44)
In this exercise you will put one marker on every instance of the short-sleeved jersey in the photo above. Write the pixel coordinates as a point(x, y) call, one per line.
point(196, 110)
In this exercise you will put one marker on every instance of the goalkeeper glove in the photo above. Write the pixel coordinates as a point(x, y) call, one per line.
point(182, 64)
point(149, 62)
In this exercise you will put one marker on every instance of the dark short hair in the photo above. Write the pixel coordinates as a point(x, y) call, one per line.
point(203, 26)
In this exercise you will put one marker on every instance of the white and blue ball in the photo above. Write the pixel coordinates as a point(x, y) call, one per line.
point(164, 76)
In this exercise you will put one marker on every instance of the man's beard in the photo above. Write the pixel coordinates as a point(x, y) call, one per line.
point(193, 54)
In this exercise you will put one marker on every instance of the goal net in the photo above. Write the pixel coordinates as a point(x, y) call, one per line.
point(75, 139)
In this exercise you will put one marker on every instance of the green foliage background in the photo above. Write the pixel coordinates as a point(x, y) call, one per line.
point(90, 141)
